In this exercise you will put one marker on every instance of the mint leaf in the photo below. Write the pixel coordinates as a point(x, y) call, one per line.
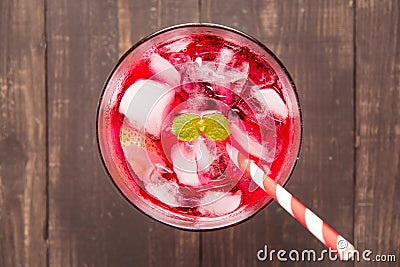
point(186, 127)
point(215, 127)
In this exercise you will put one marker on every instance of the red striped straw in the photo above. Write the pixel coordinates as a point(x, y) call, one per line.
point(301, 213)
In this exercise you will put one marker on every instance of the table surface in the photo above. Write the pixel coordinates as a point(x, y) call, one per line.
point(58, 207)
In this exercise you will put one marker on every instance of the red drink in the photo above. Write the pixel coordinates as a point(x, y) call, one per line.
point(171, 106)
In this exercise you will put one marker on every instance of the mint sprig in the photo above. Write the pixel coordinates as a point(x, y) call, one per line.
point(187, 127)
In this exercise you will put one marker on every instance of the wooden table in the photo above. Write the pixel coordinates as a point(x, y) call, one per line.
point(58, 207)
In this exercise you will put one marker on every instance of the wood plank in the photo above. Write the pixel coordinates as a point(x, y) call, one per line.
point(90, 223)
point(23, 134)
point(315, 41)
point(140, 18)
point(87, 220)
point(166, 246)
point(377, 202)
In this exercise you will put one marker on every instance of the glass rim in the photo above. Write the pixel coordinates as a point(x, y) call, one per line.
point(193, 25)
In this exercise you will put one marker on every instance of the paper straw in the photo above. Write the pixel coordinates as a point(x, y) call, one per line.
point(322, 231)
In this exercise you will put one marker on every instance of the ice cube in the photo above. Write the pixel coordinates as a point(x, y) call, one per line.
point(205, 150)
point(247, 143)
point(178, 45)
point(167, 192)
point(254, 101)
point(189, 86)
point(164, 71)
point(216, 75)
point(235, 71)
point(254, 104)
point(216, 203)
point(225, 56)
point(177, 59)
point(207, 72)
point(184, 164)
point(146, 103)
point(224, 75)
point(275, 103)
point(238, 77)
point(213, 72)
point(199, 61)
point(191, 158)
point(211, 196)
point(234, 76)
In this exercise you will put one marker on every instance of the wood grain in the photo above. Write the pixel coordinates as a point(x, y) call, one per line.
point(90, 223)
point(140, 18)
point(377, 216)
point(23, 134)
point(166, 246)
point(58, 207)
point(314, 40)
point(86, 219)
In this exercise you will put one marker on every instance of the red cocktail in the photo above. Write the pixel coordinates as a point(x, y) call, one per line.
point(171, 106)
